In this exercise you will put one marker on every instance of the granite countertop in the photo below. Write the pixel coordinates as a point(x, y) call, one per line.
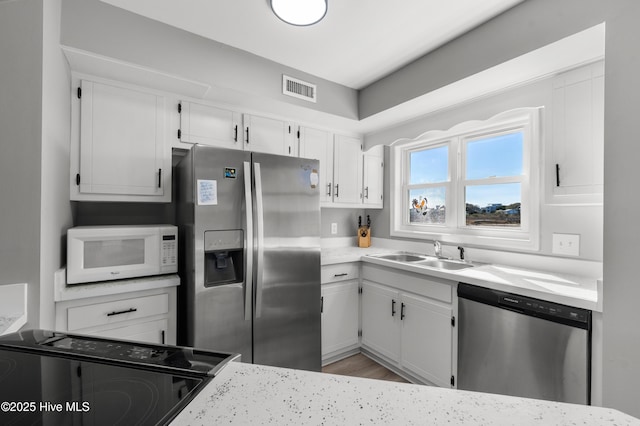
point(567, 289)
point(250, 394)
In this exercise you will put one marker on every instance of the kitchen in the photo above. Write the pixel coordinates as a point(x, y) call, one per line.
point(36, 221)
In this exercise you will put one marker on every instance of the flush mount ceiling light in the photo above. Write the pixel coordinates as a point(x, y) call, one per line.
point(300, 12)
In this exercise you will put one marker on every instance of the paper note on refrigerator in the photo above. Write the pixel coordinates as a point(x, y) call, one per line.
point(207, 192)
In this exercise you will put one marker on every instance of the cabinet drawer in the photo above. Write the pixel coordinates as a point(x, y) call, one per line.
point(340, 272)
point(116, 311)
point(149, 332)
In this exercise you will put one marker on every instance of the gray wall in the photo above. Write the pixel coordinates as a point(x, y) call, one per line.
point(526, 27)
point(56, 119)
point(621, 228)
point(21, 146)
point(347, 220)
point(113, 32)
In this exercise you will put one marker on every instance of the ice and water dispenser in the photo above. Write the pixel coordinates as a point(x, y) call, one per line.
point(223, 257)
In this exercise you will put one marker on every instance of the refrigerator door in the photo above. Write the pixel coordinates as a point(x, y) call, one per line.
point(220, 317)
point(286, 329)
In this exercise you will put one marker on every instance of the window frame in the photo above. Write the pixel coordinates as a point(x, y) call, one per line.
point(455, 230)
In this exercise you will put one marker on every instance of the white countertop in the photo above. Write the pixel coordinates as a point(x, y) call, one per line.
point(64, 292)
point(581, 292)
point(13, 307)
point(250, 394)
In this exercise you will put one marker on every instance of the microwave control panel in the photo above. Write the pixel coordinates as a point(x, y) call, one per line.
point(169, 254)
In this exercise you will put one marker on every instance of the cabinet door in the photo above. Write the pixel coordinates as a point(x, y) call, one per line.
point(122, 142)
point(339, 316)
point(208, 125)
point(381, 320)
point(578, 132)
point(427, 339)
point(347, 171)
point(373, 164)
point(318, 144)
point(268, 135)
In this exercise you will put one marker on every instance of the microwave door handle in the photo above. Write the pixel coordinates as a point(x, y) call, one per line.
point(248, 279)
point(259, 239)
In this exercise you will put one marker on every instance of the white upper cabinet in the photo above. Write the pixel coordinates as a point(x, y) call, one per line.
point(120, 152)
point(268, 135)
point(349, 177)
point(347, 171)
point(578, 135)
point(373, 177)
point(209, 125)
point(318, 144)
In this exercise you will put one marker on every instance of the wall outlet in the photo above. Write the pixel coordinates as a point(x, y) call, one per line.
point(334, 228)
point(566, 244)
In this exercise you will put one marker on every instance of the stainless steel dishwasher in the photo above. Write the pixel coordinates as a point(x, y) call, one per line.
point(521, 346)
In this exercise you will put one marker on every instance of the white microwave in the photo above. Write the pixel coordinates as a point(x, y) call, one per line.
point(103, 253)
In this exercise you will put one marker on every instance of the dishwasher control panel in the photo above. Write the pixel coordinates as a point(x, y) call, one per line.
point(549, 308)
point(569, 315)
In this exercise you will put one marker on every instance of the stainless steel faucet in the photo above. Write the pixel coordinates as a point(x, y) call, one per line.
point(438, 248)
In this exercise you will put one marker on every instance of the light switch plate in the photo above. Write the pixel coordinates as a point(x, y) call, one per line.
point(334, 228)
point(566, 244)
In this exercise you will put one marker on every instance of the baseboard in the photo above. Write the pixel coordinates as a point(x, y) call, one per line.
point(334, 357)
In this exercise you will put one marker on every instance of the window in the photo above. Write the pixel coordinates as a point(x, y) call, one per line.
point(493, 179)
point(475, 183)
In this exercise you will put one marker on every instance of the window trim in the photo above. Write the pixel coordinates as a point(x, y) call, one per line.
point(455, 229)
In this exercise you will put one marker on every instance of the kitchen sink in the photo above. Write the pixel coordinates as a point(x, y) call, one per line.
point(401, 257)
point(451, 265)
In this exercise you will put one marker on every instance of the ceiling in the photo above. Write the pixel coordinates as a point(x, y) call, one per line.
point(357, 43)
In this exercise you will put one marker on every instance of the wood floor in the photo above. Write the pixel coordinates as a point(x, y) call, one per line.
point(360, 366)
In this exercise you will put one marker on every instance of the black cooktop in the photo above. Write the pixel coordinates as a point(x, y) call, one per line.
point(54, 378)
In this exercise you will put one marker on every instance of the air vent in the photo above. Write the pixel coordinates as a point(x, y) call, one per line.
point(298, 88)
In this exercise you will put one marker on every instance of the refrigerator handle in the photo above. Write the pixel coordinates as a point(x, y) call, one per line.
point(259, 238)
point(248, 279)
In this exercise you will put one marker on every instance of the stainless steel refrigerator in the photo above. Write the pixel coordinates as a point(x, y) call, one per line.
point(249, 231)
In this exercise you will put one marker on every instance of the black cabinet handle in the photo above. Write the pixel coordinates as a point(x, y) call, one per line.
point(366, 192)
point(557, 174)
point(235, 136)
point(321, 304)
point(121, 312)
point(402, 315)
point(393, 308)
point(159, 178)
point(344, 274)
point(337, 188)
point(329, 189)
point(247, 135)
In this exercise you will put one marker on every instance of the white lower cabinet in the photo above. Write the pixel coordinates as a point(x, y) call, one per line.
point(339, 317)
point(407, 319)
point(145, 316)
point(426, 339)
point(381, 320)
point(340, 309)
